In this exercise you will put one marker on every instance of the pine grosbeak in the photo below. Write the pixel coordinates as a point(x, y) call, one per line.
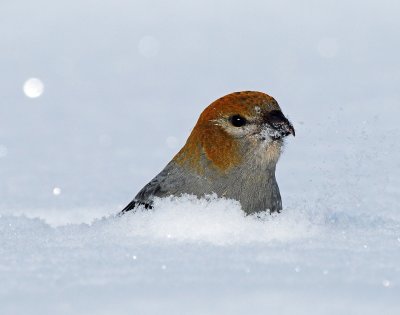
point(232, 152)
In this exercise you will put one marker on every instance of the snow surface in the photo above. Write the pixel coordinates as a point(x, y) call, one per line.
point(123, 84)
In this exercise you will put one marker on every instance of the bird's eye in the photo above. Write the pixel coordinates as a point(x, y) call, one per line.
point(237, 120)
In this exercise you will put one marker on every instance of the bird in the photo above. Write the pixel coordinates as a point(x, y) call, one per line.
point(232, 152)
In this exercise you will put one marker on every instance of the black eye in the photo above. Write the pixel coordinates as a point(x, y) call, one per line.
point(237, 120)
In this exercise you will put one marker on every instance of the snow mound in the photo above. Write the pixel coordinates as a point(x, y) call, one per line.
point(207, 248)
point(188, 219)
point(215, 220)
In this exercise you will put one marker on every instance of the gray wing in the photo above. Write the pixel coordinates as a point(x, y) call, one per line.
point(174, 180)
point(160, 186)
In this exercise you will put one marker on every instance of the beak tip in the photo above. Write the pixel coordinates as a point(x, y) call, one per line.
point(292, 131)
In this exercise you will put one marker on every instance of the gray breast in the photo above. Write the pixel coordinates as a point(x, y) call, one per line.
point(253, 185)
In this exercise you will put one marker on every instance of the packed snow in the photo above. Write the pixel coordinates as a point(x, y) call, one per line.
point(201, 256)
point(97, 98)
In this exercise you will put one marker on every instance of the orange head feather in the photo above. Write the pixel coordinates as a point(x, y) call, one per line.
point(211, 140)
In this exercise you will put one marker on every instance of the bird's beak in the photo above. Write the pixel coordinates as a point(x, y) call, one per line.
point(279, 123)
point(291, 130)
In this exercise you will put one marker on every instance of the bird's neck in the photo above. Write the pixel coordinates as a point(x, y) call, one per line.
point(209, 146)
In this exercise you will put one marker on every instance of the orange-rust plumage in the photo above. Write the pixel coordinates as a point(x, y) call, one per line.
point(217, 145)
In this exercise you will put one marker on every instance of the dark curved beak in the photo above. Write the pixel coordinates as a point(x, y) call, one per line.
point(280, 123)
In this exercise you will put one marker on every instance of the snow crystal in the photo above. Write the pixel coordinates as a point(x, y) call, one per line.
point(56, 191)
point(33, 87)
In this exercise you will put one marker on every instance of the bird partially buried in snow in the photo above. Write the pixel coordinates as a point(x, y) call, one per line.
point(232, 152)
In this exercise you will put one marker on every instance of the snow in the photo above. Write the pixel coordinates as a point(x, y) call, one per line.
point(201, 256)
point(124, 85)
point(33, 88)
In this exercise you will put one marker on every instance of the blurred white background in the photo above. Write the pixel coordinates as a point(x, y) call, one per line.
point(124, 83)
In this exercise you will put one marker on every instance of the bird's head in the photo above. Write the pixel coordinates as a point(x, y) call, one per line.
point(242, 127)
